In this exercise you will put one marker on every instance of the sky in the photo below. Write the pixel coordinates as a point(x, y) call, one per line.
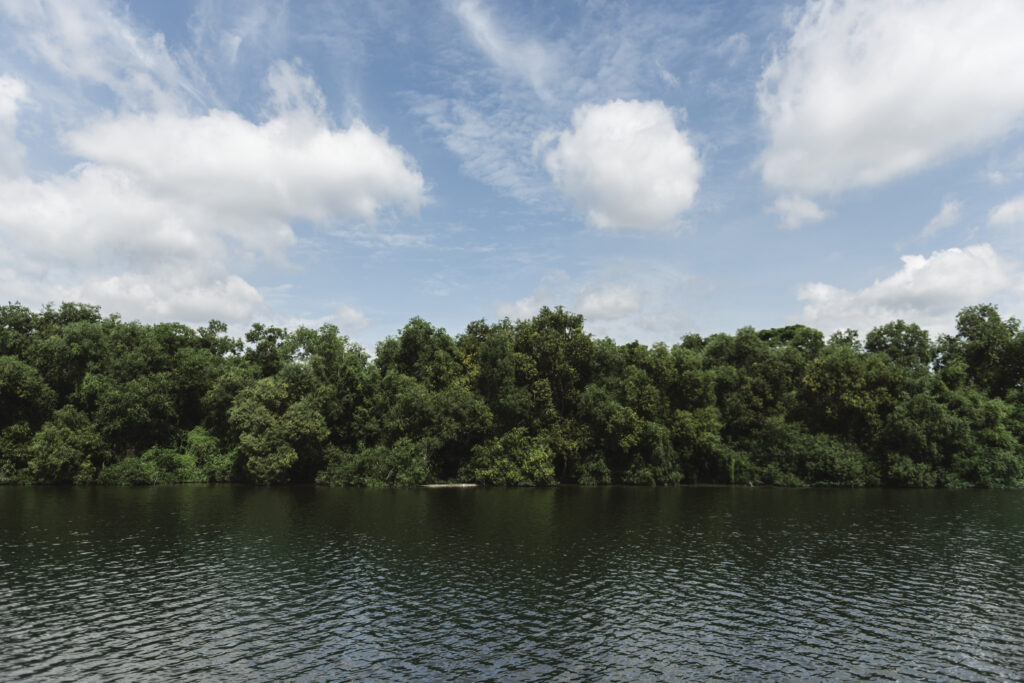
point(660, 168)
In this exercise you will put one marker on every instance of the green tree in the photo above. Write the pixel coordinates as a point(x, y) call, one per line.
point(67, 449)
point(274, 428)
point(513, 459)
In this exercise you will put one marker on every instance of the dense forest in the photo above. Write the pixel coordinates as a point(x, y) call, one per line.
point(90, 399)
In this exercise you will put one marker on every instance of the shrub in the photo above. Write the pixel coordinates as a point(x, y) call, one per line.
point(513, 459)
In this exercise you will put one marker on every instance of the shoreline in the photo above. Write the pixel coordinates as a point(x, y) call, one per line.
point(448, 486)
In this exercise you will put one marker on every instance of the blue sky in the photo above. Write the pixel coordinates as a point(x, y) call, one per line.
point(662, 168)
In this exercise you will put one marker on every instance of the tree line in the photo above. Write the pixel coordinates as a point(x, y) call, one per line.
point(90, 399)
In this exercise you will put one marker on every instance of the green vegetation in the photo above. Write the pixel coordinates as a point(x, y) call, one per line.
point(86, 399)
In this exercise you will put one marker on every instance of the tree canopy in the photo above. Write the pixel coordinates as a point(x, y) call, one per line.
point(92, 399)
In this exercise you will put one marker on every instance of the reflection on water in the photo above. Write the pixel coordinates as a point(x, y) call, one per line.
point(616, 583)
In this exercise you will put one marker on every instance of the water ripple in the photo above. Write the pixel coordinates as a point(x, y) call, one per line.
point(604, 584)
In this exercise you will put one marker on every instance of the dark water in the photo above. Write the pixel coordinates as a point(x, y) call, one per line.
point(612, 583)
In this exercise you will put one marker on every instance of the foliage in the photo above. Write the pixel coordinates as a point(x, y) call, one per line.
point(92, 399)
point(66, 449)
point(513, 459)
point(406, 463)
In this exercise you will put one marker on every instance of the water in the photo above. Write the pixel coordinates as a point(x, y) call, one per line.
point(608, 583)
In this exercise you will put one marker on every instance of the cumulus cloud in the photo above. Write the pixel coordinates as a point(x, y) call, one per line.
point(928, 290)
point(1008, 213)
point(165, 205)
point(865, 92)
point(795, 211)
point(947, 217)
point(291, 166)
point(625, 164)
point(13, 93)
point(99, 235)
point(95, 212)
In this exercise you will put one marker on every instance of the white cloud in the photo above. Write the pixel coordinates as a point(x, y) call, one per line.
point(527, 59)
point(94, 41)
point(165, 206)
point(527, 307)
point(865, 92)
point(95, 212)
point(490, 118)
point(926, 290)
point(215, 173)
point(1008, 213)
point(636, 301)
point(948, 215)
point(173, 290)
point(13, 93)
point(608, 301)
point(98, 235)
point(289, 167)
point(625, 164)
point(796, 211)
point(174, 293)
point(350, 320)
point(347, 319)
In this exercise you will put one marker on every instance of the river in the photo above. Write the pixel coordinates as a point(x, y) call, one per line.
point(614, 583)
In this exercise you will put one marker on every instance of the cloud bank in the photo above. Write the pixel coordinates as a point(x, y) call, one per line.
point(927, 290)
